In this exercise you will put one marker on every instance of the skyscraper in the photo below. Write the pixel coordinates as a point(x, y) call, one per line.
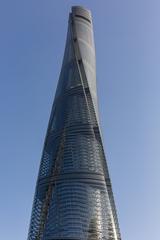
point(73, 198)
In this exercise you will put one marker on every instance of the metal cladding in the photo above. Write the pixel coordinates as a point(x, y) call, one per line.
point(73, 198)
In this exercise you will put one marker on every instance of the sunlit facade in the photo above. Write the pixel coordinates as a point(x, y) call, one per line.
point(73, 198)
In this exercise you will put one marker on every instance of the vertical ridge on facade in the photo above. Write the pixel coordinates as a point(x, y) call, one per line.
point(73, 198)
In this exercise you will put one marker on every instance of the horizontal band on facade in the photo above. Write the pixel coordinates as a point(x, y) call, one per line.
point(80, 16)
point(74, 129)
point(75, 176)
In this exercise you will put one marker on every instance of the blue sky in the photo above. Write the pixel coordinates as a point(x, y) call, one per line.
point(127, 36)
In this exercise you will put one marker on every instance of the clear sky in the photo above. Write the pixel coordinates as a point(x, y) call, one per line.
point(127, 36)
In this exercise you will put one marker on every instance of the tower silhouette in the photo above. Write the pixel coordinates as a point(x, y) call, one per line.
point(73, 197)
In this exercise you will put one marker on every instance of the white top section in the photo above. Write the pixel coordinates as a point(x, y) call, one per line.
point(78, 10)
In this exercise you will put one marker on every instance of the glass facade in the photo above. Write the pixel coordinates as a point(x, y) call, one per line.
point(73, 198)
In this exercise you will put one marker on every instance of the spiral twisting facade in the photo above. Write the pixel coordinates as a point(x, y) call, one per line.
point(73, 198)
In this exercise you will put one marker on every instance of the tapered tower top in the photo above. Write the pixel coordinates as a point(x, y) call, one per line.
point(81, 11)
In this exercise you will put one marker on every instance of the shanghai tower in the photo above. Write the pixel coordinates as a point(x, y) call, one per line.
point(73, 197)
